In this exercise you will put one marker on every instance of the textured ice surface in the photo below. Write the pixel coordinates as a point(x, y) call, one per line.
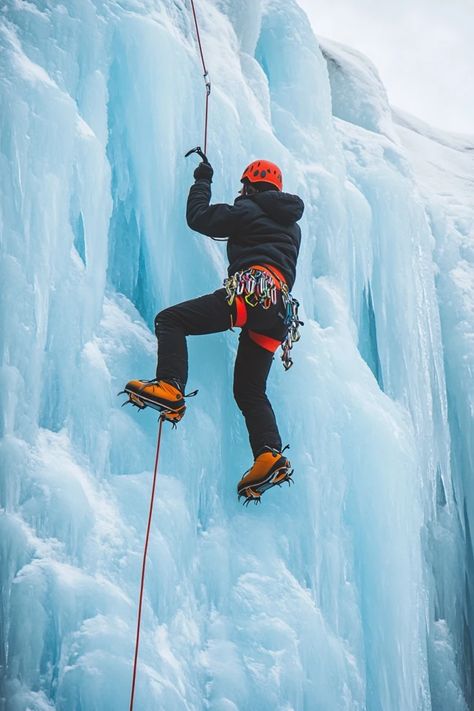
point(352, 590)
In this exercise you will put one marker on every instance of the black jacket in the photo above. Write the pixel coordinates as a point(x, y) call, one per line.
point(261, 228)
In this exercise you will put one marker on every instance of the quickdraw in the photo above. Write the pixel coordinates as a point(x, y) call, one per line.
point(254, 285)
point(258, 287)
point(293, 322)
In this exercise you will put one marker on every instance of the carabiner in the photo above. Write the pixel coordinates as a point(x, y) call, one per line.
point(251, 300)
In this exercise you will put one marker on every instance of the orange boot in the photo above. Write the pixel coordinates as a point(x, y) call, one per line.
point(269, 469)
point(160, 395)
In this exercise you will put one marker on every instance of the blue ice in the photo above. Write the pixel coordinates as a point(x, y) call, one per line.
point(350, 591)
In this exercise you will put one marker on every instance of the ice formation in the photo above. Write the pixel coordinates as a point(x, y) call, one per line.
point(351, 591)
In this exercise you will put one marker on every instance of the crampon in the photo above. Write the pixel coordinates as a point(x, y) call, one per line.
point(270, 469)
point(159, 395)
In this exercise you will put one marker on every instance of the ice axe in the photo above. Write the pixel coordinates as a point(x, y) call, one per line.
point(200, 153)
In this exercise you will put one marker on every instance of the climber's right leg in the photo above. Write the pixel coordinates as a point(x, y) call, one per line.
point(206, 314)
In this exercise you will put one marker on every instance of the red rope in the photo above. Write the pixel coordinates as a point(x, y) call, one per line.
point(205, 74)
point(199, 38)
point(142, 583)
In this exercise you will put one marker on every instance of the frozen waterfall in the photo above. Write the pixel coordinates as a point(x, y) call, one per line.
point(354, 589)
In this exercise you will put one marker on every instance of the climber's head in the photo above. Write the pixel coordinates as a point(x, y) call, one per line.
point(259, 176)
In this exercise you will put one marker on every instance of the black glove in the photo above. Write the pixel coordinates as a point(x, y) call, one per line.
point(204, 171)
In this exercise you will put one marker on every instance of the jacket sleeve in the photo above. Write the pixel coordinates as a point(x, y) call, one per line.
point(218, 220)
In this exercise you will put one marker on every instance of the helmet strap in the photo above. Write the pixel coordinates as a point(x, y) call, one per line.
point(249, 189)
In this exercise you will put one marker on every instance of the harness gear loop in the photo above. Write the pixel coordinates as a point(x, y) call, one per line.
point(142, 581)
point(207, 81)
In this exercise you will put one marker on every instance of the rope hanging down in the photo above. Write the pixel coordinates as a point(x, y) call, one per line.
point(142, 583)
point(205, 75)
point(155, 470)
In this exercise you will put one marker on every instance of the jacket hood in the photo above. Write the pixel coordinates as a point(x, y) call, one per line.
point(281, 207)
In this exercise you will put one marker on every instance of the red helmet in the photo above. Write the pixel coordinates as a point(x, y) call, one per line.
point(262, 171)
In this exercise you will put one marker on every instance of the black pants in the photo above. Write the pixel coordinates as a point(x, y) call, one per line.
point(212, 314)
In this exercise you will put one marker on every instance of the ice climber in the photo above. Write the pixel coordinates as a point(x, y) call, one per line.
point(262, 248)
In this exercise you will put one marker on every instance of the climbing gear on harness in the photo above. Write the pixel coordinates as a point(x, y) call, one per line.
point(263, 171)
point(269, 469)
point(145, 549)
point(158, 394)
point(207, 81)
point(293, 334)
point(259, 285)
point(256, 285)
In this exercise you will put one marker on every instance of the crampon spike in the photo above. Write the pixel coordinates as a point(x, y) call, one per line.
point(250, 495)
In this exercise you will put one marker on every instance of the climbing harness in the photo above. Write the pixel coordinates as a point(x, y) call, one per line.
point(254, 285)
point(207, 81)
point(142, 581)
point(259, 285)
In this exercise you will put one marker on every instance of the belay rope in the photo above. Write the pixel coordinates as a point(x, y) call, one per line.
point(142, 581)
point(205, 75)
point(202, 153)
point(161, 419)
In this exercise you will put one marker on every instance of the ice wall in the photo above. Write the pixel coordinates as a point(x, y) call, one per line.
point(347, 592)
point(444, 169)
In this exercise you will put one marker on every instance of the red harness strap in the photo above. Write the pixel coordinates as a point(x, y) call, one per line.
point(240, 312)
point(272, 272)
point(269, 344)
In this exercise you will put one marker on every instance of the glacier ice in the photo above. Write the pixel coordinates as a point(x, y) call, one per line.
point(352, 591)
